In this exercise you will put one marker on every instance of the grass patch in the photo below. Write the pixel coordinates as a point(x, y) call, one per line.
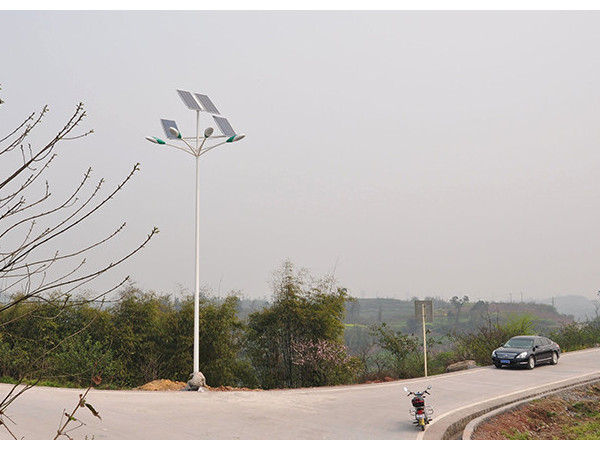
point(585, 408)
point(516, 435)
point(588, 430)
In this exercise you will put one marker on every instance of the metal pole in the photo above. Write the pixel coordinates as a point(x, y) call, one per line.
point(424, 337)
point(197, 290)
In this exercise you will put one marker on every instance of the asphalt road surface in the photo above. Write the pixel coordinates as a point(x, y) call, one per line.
point(371, 411)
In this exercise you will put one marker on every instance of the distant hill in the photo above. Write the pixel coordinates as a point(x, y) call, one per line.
point(401, 313)
point(581, 308)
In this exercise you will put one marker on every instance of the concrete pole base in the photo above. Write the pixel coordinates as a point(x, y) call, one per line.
point(196, 383)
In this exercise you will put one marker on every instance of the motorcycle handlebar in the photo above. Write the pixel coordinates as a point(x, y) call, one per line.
point(418, 393)
point(426, 391)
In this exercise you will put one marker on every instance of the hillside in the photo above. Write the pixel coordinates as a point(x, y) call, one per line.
point(401, 313)
point(581, 308)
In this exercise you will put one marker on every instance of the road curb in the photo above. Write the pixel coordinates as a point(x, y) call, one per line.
point(454, 426)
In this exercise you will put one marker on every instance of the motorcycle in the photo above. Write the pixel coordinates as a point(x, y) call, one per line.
point(421, 412)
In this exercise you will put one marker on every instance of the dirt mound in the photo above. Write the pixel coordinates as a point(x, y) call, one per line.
point(385, 380)
point(168, 385)
point(229, 388)
point(162, 385)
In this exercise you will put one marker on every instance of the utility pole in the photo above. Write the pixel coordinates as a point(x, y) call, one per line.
point(423, 311)
point(424, 338)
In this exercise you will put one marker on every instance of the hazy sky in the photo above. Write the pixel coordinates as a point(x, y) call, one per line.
point(414, 153)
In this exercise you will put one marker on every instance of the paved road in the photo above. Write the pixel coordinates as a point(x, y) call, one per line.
point(374, 411)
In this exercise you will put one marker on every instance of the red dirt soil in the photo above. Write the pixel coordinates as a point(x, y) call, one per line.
point(572, 414)
point(168, 385)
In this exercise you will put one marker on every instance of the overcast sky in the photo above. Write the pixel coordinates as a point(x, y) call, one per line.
point(412, 153)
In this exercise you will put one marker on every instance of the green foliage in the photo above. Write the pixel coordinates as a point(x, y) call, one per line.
point(324, 363)
point(478, 344)
point(438, 362)
point(521, 324)
point(587, 425)
point(517, 435)
point(306, 314)
point(142, 338)
point(80, 358)
point(15, 359)
point(157, 339)
point(576, 336)
point(141, 335)
point(586, 430)
point(298, 340)
point(221, 335)
point(401, 351)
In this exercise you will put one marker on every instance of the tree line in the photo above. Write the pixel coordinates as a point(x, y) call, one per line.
point(297, 340)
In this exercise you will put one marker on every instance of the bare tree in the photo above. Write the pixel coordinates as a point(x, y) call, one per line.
point(34, 227)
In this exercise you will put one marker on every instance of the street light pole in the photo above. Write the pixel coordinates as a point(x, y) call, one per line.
point(199, 103)
point(197, 281)
point(197, 256)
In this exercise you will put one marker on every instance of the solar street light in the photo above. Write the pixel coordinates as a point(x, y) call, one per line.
point(155, 140)
point(199, 103)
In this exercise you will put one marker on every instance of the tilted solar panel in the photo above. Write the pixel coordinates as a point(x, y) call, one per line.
point(224, 126)
point(189, 100)
point(166, 124)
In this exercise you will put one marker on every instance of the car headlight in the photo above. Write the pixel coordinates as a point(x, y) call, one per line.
point(494, 354)
point(522, 355)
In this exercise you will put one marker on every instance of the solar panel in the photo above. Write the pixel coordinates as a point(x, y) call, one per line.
point(206, 104)
point(189, 100)
point(224, 126)
point(166, 124)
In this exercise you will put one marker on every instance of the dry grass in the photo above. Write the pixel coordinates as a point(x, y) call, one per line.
point(573, 414)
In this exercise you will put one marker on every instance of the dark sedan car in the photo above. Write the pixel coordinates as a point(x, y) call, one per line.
point(528, 351)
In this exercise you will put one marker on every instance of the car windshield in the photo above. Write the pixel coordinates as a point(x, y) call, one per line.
point(519, 343)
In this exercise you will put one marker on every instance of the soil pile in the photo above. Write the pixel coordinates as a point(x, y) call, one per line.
point(168, 385)
point(162, 385)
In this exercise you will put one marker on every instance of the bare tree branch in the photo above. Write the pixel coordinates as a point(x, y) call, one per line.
point(33, 268)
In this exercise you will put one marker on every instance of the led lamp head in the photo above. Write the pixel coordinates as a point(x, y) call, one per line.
point(155, 140)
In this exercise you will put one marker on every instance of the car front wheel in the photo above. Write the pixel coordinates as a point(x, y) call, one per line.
point(531, 363)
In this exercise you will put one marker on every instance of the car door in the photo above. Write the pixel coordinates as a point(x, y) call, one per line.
point(542, 349)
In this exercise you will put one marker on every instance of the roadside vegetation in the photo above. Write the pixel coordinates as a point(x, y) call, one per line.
point(302, 338)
